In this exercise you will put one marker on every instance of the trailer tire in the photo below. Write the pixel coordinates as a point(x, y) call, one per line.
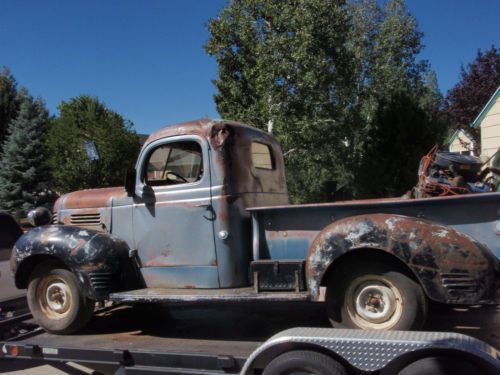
point(304, 361)
point(56, 300)
point(441, 366)
point(377, 297)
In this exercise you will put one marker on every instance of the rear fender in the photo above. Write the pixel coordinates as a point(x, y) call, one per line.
point(97, 259)
point(451, 267)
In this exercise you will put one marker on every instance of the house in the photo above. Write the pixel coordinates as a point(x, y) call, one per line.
point(460, 142)
point(488, 121)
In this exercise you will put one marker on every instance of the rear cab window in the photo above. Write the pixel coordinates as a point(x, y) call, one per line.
point(262, 156)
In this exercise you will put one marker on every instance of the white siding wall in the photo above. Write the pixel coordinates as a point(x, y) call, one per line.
point(461, 143)
point(490, 130)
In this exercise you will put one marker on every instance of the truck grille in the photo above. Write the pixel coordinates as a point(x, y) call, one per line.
point(86, 219)
point(54, 218)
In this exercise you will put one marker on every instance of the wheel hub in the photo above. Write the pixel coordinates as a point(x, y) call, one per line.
point(375, 302)
point(57, 297)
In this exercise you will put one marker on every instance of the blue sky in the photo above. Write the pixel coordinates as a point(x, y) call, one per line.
point(145, 59)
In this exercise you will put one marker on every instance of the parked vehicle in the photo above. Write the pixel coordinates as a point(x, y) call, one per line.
point(10, 231)
point(204, 216)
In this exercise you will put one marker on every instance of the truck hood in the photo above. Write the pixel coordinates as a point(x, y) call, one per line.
point(91, 198)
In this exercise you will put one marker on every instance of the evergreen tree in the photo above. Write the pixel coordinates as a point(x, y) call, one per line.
point(321, 75)
point(23, 175)
point(9, 102)
point(82, 119)
point(478, 82)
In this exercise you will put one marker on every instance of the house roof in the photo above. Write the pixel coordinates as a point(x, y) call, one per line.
point(454, 135)
point(486, 108)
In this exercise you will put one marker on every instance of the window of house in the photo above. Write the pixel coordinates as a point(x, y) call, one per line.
point(262, 156)
point(174, 163)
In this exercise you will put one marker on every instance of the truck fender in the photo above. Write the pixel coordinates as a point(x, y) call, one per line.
point(451, 266)
point(98, 259)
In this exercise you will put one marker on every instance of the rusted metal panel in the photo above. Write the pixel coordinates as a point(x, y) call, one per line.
point(91, 198)
point(206, 295)
point(451, 266)
point(189, 277)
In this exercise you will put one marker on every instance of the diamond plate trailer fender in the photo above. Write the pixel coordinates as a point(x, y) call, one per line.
point(99, 260)
point(451, 267)
point(375, 351)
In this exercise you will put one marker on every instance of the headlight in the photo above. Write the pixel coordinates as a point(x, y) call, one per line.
point(39, 216)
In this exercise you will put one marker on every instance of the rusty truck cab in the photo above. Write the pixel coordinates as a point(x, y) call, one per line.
point(193, 184)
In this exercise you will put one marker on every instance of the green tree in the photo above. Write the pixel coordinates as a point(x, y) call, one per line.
point(478, 82)
point(319, 73)
point(86, 118)
point(23, 175)
point(9, 102)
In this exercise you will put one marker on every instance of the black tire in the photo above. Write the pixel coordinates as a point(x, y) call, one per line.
point(375, 296)
point(56, 300)
point(441, 366)
point(304, 361)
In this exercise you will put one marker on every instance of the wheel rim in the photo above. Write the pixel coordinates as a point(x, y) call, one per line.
point(374, 303)
point(54, 296)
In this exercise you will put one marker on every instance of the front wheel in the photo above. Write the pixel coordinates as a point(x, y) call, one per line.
point(56, 300)
point(376, 297)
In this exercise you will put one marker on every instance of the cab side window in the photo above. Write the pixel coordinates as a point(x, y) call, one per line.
point(174, 163)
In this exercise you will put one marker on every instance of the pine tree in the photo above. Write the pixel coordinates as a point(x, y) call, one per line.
point(9, 102)
point(23, 175)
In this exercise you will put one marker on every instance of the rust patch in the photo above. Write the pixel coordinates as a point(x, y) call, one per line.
point(91, 198)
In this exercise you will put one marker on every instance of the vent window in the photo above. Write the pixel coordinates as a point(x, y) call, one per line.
point(262, 156)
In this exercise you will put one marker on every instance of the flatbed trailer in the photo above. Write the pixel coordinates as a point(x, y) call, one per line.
point(181, 340)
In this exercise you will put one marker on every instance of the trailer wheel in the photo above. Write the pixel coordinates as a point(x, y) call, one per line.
point(56, 300)
point(377, 297)
point(441, 366)
point(304, 362)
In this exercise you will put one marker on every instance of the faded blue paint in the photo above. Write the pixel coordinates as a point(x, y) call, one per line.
point(289, 247)
point(475, 215)
point(181, 277)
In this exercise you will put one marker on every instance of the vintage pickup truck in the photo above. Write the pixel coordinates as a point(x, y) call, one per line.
point(204, 217)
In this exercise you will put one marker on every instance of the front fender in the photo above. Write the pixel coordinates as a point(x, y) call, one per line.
point(452, 267)
point(95, 257)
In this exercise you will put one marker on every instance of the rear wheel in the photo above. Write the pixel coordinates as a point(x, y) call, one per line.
point(377, 297)
point(304, 362)
point(56, 300)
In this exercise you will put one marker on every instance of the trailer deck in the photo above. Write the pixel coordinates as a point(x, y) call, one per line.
point(177, 338)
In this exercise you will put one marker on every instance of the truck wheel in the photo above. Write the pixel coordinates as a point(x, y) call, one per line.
point(56, 300)
point(377, 297)
point(304, 362)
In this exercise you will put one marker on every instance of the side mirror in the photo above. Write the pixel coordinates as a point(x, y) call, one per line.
point(130, 182)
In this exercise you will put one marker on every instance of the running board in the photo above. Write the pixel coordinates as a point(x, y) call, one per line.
point(205, 295)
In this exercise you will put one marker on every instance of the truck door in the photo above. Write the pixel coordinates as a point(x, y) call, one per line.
point(173, 215)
